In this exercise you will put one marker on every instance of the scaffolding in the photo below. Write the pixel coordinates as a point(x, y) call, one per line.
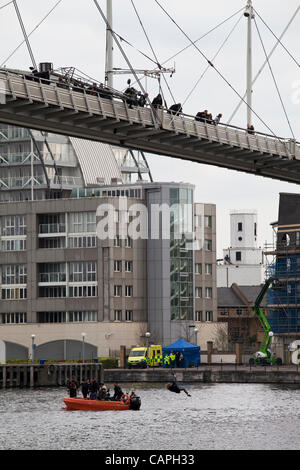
point(284, 296)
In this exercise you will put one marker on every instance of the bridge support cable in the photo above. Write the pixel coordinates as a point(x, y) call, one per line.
point(6, 4)
point(34, 29)
point(274, 79)
point(30, 132)
point(278, 41)
point(25, 34)
point(218, 71)
point(203, 36)
point(152, 49)
point(214, 57)
point(153, 114)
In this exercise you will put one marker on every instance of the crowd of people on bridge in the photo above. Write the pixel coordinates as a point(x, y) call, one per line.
point(131, 96)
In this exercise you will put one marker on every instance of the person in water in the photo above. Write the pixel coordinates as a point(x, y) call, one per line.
point(173, 387)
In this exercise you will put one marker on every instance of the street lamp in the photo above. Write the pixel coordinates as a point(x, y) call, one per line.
point(196, 336)
point(271, 334)
point(148, 334)
point(82, 346)
point(32, 347)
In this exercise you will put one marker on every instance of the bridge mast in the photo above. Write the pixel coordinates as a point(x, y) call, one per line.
point(249, 14)
point(109, 46)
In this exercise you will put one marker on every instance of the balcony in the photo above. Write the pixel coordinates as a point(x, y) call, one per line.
point(51, 278)
point(45, 229)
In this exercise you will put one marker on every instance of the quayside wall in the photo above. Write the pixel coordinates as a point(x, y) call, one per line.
point(56, 375)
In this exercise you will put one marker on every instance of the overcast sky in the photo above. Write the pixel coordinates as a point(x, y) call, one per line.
point(74, 35)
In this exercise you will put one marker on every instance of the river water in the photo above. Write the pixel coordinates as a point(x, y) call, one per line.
point(219, 416)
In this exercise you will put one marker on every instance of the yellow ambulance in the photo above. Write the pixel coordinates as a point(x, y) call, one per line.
point(138, 356)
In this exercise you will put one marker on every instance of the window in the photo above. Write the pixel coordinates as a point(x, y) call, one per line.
point(239, 311)
point(198, 315)
point(208, 316)
point(128, 315)
point(208, 221)
point(13, 318)
point(238, 256)
point(83, 291)
point(240, 227)
point(255, 229)
point(13, 245)
point(128, 242)
point(80, 222)
point(14, 293)
point(208, 245)
point(117, 291)
point(82, 242)
point(118, 315)
point(224, 311)
point(13, 225)
point(297, 238)
point(208, 292)
point(208, 269)
point(198, 268)
point(52, 243)
point(75, 317)
point(51, 317)
point(117, 241)
point(83, 271)
point(128, 291)
point(198, 292)
point(53, 292)
point(14, 274)
point(128, 266)
point(117, 266)
point(52, 272)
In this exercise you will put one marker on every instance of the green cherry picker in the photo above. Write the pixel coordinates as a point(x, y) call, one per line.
point(264, 356)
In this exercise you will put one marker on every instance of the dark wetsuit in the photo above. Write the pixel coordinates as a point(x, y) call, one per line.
point(174, 388)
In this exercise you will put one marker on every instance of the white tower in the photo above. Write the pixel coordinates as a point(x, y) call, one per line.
point(243, 261)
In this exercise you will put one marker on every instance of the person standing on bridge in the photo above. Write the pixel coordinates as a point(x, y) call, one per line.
point(217, 119)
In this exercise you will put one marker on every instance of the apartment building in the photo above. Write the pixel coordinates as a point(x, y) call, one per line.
point(66, 276)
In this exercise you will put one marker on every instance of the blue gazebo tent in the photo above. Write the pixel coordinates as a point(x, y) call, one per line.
point(191, 352)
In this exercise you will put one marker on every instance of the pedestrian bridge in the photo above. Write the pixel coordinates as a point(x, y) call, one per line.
point(44, 105)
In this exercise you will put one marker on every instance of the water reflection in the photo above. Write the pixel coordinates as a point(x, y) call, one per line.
point(219, 416)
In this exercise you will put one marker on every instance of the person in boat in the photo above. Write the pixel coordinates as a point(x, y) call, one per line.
point(175, 109)
point(118, 393)
point(94, 389)
point(85, 388)
point(173, 387)
point(72, 387)
point(102, 392)
point(157, 101)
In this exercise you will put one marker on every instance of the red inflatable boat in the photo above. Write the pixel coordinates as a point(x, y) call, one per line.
point(133, 403)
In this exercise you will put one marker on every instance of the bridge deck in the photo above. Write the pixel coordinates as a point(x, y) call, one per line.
point(46, 106)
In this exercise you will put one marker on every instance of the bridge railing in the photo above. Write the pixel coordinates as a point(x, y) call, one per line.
point(26, 86)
